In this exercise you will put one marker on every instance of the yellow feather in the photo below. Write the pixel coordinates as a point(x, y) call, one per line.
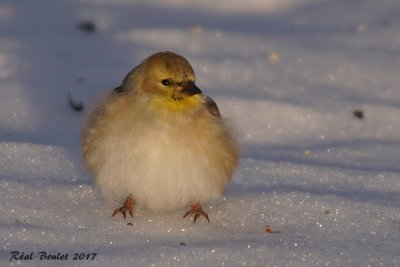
point(181, 105)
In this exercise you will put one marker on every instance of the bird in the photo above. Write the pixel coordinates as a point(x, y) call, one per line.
point(158, 142)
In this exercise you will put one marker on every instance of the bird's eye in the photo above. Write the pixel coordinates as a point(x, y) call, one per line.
point(165, 82)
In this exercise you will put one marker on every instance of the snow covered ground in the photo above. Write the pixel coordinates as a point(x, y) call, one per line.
point(288, 74)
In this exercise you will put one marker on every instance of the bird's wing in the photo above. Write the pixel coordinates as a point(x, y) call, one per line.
point(212, 107)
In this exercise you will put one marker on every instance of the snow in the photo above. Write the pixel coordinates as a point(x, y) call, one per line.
point(287, 74)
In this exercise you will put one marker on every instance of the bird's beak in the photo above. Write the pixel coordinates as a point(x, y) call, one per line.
point(189, 89)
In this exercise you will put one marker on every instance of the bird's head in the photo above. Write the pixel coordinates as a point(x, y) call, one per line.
point(170, 80)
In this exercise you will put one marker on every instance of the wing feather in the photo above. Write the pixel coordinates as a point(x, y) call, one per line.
point(212, 107)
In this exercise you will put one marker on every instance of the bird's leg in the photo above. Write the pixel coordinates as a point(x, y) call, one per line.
point(128, 206)
point(197, 210)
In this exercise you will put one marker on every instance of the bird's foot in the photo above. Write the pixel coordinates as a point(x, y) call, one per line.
point(128, 206)
point(197, 211)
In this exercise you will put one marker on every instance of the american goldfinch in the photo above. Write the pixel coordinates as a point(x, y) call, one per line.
point(157, 141)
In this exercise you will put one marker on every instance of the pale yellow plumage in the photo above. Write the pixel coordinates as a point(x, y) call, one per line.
point(158, 140)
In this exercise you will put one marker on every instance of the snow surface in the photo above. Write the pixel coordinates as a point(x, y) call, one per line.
point(288, 74)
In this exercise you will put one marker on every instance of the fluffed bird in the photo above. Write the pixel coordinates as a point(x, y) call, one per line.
point(157, 141)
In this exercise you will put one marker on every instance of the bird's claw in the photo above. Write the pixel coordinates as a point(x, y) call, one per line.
point(128, 206)
point(197, 211)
